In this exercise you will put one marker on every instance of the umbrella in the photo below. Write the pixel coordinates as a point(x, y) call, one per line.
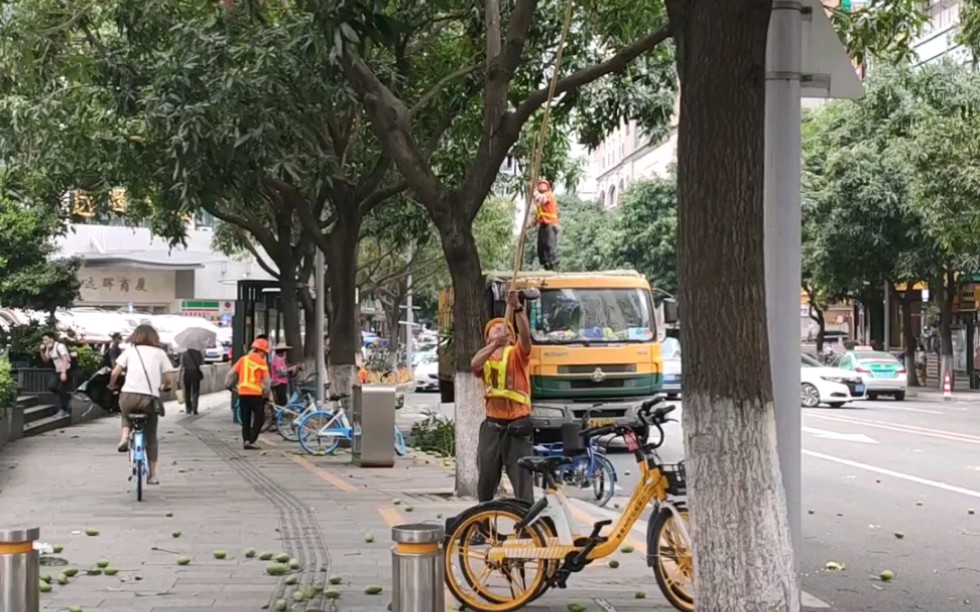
point(195, 338)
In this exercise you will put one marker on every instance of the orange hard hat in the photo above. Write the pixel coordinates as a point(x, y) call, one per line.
point(545, 183)
point(498, 321)
point(262, 345)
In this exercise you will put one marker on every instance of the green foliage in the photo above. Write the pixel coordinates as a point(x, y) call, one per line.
point(969, 30)
point(31, 277)
point(8, 387)
point(891, 181)
point(88, 362)
point(435, 433)
point(646, 231)
point(23, 342)
point(880, 29)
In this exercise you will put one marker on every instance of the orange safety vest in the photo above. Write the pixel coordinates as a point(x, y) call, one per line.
point(498, 387)
point(250, 375)
point(547, 213)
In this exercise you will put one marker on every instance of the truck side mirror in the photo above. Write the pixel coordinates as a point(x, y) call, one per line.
point(670, 311)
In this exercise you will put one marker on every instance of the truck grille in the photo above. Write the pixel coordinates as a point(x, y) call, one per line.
point(627, 368)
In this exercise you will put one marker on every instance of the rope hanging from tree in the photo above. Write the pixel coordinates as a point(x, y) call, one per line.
point(539, 146)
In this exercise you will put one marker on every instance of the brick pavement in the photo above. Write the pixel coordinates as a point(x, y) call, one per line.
point(319, 510)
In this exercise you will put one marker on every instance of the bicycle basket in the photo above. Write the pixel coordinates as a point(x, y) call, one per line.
point(676, 477)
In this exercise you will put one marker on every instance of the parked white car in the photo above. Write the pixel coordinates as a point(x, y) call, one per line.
point(427, 371)
point(670, 350)
point(820, 384)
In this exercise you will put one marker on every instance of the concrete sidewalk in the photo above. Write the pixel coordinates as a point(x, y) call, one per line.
point(330, 516)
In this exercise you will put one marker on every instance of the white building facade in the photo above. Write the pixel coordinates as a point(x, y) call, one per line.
point(130, 268)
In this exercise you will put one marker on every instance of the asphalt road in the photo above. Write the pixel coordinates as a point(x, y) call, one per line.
point(887, 486)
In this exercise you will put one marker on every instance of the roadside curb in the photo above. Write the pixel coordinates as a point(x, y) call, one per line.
point(937, 396)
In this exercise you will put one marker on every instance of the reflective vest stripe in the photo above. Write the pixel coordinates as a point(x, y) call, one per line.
point(500, 390)
point(548, 216)
point(247, 379)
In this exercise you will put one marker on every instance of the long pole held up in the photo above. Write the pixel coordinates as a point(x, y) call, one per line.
point(539, 148)
point(321, 306)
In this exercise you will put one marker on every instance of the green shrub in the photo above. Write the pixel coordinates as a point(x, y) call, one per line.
point(8, 387)
point(88, 362)
point(435, 433)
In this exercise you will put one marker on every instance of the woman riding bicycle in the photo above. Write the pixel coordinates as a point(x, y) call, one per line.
point(147, 369)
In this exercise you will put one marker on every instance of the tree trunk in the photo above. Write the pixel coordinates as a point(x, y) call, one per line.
point(392, 311)
point(908, 335)
point(743, 555)
point(311, 338)
point(345, 337)
point(948, 292)
point(469, 317)
point(289, 302)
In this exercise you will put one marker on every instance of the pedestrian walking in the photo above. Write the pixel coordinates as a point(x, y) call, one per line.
point(113, 351)
point(253, 386)
point(505, 435)
point(148, 370)
point(546, 218)
point(55, 352)
point(191, 376)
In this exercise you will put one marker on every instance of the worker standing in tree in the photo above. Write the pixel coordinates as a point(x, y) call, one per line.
point(546, 218)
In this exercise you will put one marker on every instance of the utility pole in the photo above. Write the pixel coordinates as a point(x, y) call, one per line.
point(410, 316)
point(320, 304)
point(783, 220)
point(888, 316)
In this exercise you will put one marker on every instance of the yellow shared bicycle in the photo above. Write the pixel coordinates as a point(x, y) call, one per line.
point(503, 554)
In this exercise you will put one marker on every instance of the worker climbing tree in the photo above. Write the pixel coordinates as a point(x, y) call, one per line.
point(546, 218)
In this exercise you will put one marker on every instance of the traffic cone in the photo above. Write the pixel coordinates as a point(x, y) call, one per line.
point(947, 388)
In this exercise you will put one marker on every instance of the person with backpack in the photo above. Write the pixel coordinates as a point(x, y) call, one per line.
point(55, 352)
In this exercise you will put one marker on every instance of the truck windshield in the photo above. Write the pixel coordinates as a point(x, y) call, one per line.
point(574, 316)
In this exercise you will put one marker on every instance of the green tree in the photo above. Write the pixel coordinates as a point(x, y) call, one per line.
point(32, 277)
point(646, 231)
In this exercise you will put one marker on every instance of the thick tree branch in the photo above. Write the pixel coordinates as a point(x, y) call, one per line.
point(373, 179)
point(375, 199)
point(503, 59)
point(389, 118)
point(259, 259)
point(616, 63)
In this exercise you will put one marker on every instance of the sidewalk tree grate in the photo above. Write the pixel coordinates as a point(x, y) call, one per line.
point(298, 525)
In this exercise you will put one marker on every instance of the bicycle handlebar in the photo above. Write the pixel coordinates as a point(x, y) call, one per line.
point(649, 416)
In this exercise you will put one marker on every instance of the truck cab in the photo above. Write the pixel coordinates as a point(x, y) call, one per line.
point(594, 341)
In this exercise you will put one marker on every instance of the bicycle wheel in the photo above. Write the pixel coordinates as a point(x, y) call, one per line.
point(287, 422)
point(400, 448)
point(673, 564)
point(545, 523)
point(603, 480)
point(472, 535)
point(310, 436)
point(138, 468)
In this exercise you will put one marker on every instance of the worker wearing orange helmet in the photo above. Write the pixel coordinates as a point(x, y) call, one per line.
point(505, 436)
point(546, 218)
point(254, 384)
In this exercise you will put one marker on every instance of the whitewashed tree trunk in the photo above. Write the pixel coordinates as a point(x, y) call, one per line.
point(743, 555)
point(341, 378)
point(470, 413)
point(738, 508)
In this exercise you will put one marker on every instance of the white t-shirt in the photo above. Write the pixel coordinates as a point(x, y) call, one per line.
point(59, 356)
point(157, 363)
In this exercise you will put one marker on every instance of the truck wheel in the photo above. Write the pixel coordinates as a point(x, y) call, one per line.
point(447, 392)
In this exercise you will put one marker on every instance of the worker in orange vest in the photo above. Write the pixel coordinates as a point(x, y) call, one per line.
point(546, 218)
point(505, 436)
point(254, 385)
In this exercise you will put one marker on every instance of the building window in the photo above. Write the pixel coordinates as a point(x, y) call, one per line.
point(612, 196)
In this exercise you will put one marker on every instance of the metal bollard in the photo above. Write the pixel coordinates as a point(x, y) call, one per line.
point(418, 575)
point(20, 571)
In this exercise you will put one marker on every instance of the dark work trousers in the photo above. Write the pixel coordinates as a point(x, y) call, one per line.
point(548, 246)
point(253, 415)
point(192, 390)
point(501, 444)
point(281, 393)
point(63, 389)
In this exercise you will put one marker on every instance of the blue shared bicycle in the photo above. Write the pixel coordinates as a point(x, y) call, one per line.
point(301, 403)
point(322, 431)
point(139, 467)
point(590, 470)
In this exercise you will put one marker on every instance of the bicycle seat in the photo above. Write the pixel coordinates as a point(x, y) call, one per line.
point(543, 464)
point(138, 417)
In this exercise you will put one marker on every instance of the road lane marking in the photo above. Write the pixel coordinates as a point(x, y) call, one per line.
point(833, 435)
point(323, 474)
point(907, 409)
point(909, 429)
point(886, 472)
